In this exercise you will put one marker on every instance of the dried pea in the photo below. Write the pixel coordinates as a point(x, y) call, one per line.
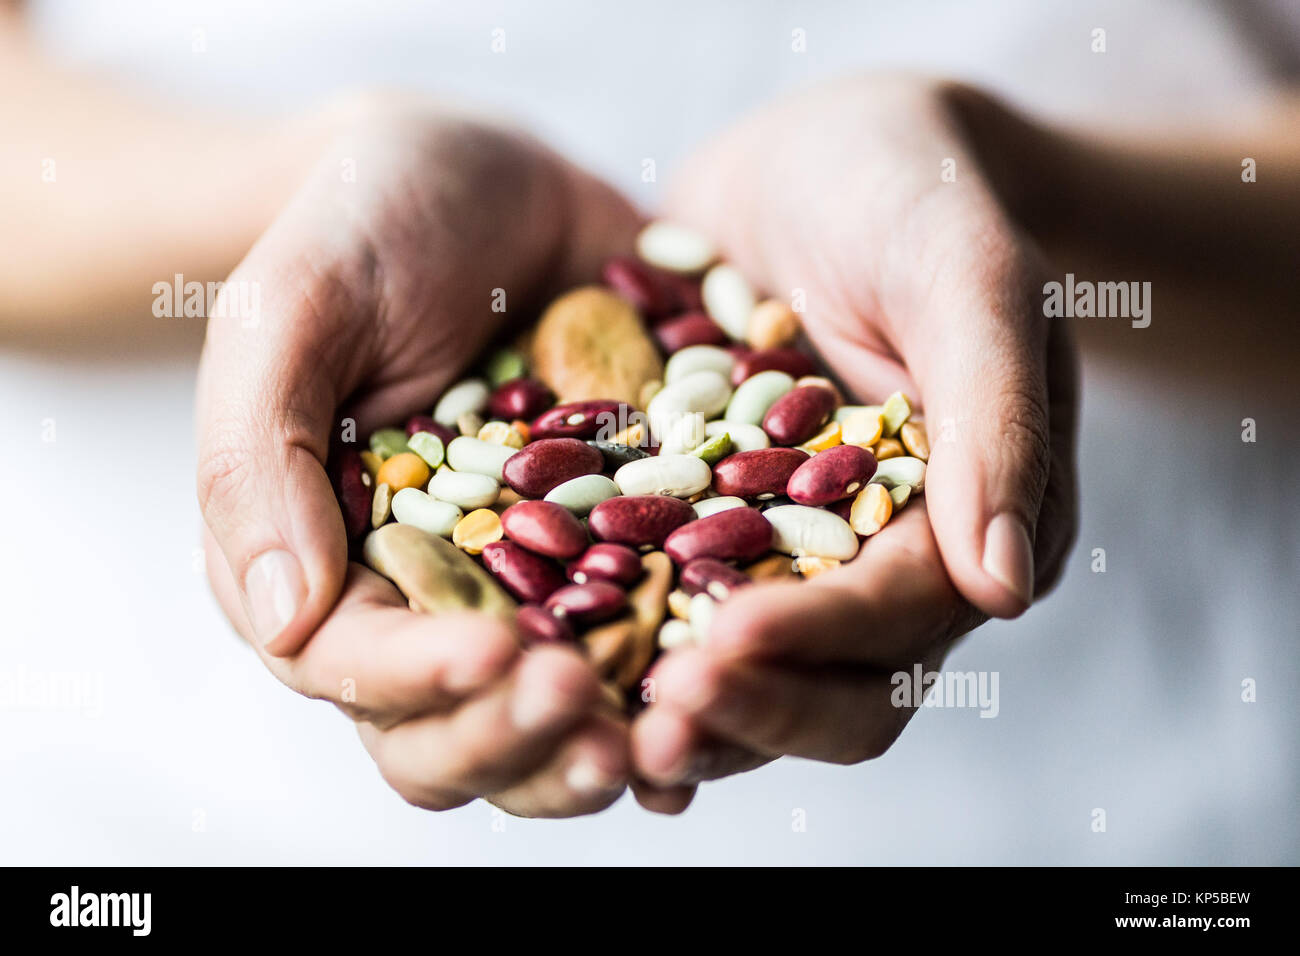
point(503, 366)
point(715, 449)
point(405, 470)
point(896, 410)
point(429, 447)
point(888, 448)
point(477, 530)
point(915, 440)
point(387, 442)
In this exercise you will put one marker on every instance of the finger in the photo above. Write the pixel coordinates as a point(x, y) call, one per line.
point(833, 714)
point(672, 751)
point(887, 607)
point(265, 403)
point(585, 775)
point(377, 660)
point(669, 801)
point(985, 394)
point(492, 741)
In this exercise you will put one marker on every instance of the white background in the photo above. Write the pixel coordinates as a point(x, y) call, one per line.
point(1121, 691)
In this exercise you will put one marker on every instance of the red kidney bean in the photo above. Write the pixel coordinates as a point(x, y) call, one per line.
point(791, 361)
point(520, 398)
point(581, 419)
point(737, 534)
point(588, 603)
point(751, 474)
point(541, 465)
point(688, 291)
point(545, 527)
point(712, 577)
point(616, 455)
point(796, 415)
point(830, 475)
point(638, 520)
point(529, 577)
point(843, 508)
point(539, 626)
point(615, 563)
point(423, 423)
point(650, 291)
point(350, 488)
point(693, 328)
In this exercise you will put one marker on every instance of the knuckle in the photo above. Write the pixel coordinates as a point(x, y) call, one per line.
point(1023, 433)
point(225, 471)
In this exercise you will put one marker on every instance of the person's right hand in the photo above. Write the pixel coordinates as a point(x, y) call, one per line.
point(376, 286)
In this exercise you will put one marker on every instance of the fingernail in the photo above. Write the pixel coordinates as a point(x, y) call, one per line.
point(1009, 556)
point(586, 776)
point(275, 590)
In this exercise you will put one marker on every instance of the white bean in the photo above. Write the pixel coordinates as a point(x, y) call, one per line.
point(705, 392)
point(677, 475)
point(583, 493)
point(675, 633)
point(756, 394)
point(900, 471)
point(698, 358)
point(412, 506)
point(686, 434)
point(711, 506)
point(464, 489)
point(478, 456)
point(675, 248)
point(701, 616)
point(728, 298)
point(801, 530)
point(469, 396)
point(744, 437)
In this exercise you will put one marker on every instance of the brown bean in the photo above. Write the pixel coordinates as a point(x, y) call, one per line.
point(831, 475)
point(589, 603)
point(796, 415)
point(520, 398)
point(539, 626)
point(638, 520)
point(546, 528)
point(758, 473)
point(791, 361)
point(541, 465)
point(529, 577)
point(693, 328)
point(615, 563)
point(737, 534)
point(711, 577)
point(648, 601)
point(609, 646)
point(581, 420)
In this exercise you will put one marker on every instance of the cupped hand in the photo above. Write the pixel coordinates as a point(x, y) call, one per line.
point(371, 293)
point(882, 204)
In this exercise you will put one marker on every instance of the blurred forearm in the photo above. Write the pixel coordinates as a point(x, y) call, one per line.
point(103, 194)
point(1164, 205)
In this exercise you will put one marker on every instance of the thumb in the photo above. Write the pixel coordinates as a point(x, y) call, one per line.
point(264, 413)
point(985, 393)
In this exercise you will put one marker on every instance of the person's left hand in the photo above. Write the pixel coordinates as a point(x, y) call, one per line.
point(912, 283)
